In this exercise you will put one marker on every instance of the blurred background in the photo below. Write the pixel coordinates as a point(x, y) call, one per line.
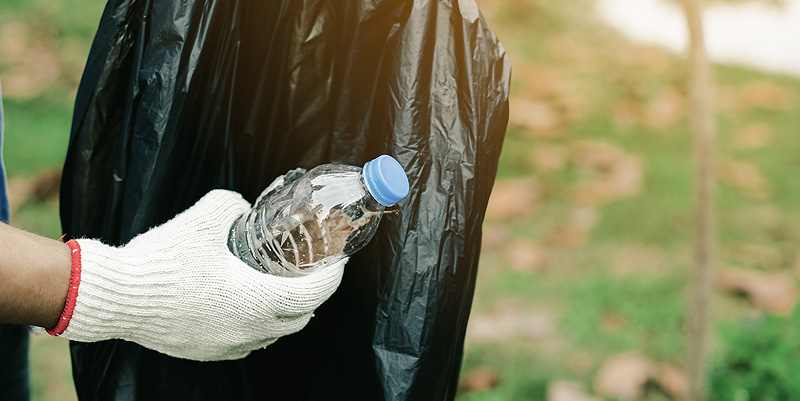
point(583, 286)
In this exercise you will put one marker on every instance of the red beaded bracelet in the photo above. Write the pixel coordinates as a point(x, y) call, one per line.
point(72, 293)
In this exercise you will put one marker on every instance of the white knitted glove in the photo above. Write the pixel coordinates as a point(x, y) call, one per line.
point(177, 289)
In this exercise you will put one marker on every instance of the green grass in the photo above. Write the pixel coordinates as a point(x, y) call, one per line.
point(51, 375)
point(619, 314)
point(36, 135)
point(525, 374)
point(37, 128)
point(516, 149)
point(39, 218)
point(603, 312)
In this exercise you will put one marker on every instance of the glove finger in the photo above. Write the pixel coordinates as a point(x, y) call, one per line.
point(310, 291)
point(289, 297)
point(212, 215)
point(225, 204)
point(241, 350)
point(289, 324)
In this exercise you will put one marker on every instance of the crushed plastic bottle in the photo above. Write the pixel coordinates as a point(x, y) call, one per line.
point(313, 219)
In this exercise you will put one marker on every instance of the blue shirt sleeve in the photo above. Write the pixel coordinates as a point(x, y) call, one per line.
point(4, 212)
point(14, 340)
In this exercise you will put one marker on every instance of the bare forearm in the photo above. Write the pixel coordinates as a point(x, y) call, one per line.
point(34, 277)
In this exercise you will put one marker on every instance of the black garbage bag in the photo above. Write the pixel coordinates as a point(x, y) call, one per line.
point(180, 97)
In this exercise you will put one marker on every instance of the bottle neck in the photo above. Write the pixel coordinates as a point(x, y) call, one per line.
point(373, 199)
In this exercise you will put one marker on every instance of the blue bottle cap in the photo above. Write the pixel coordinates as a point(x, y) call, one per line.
point(386, 180)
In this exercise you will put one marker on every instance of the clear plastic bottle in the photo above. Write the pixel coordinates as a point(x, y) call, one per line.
point(316, 218)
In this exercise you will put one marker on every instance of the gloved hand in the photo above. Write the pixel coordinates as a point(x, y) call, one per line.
point(177, 289)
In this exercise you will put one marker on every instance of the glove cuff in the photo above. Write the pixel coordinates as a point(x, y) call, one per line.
point(72, 293)
point(120, 294)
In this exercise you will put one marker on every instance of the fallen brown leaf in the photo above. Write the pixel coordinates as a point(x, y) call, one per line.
point(666, 110)
point(624, 376)
point(31, 64)
point(570, 51)
point(612, 321)
point(796, 264)
point(596, 155)
point(19, 190)
point(547, 157)
point(744, 176)
point(628, 376)
point(567, 236)
point(512, 200)
point(623, 173)
point(494, 237)
point(526, 257)
point(479, 379)
point(654, 59)
point(775, 292)
point(629, 260)
point(47, 185)
point(753, 136)
point(509, 323)
point(576, 231)
point(756, 95)
point(539, 119)
point(673, 380)
point(765, 95)
point(568, 391)
point(541, 83)
point(575, 103)
point(556, 87)
point(43, 187)
point(626, 112)
point(762, 256)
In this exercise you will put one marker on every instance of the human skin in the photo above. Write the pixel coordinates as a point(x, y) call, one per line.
point(34, 277)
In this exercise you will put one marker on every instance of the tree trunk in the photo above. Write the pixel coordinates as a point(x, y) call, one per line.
point(701, 119)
